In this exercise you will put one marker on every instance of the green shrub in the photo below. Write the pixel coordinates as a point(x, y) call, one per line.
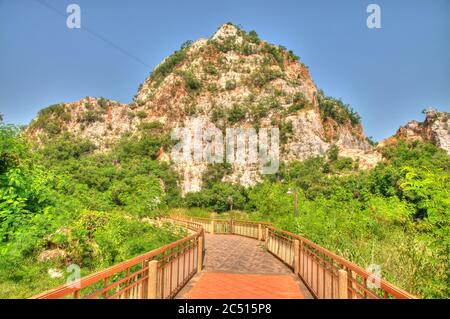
point(275, 52)
point(299, 102)
point(236, 114)
point(218, 113)
point(186, 44)
point(191, 83)
point(247, 49)
point(214, 174)
point(286, 130)
point(337, 110)
point(154, 126)
point(52, 119)
point(333, 153)
point(168, 66)
point(191, 110)
point(103, 103)
point(212, 87)
point(66, 147)
point(142, 115)
point(292, 56)
point(371, 141)
point(258, 111)
point(225, 45)
point(230, 85)
point(57, 110)
point(209, 68)
point(253, 37)
point(220, 197)
point(89, 117)
point(263, 75)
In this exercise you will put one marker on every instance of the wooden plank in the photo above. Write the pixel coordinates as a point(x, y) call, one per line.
point(152, 279)
point(342, 284)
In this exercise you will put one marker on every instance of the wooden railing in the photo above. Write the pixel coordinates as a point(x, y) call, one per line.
point(326, 274)
point(245, 228)
point(160, 273)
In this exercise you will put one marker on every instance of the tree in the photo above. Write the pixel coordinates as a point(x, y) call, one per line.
point(333, 153)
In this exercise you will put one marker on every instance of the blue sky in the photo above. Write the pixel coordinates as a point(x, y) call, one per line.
point(387, 75)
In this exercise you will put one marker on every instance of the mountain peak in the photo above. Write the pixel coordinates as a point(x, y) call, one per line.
point(226, 30)
point(233, 79)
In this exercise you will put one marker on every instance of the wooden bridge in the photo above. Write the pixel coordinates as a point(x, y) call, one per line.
point(232, 259)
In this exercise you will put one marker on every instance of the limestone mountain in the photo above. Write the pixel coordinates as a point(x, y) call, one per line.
point(435, 129)
point(101, 121)
point(233, 79)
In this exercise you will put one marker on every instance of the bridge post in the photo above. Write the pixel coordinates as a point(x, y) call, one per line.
point(199, 254)
point(152, 279)
point(301, 259)
point(342, 284)
point(259, 232)
point(352, 275)
point(267, 238)
point(296, 256)
point(213, 223)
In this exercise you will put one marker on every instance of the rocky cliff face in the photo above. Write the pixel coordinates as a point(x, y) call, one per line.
point(101, 121)
point(435, 129)
point(233, 79)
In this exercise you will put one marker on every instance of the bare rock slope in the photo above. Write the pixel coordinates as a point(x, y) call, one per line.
point(232, 79)
point(435, 129)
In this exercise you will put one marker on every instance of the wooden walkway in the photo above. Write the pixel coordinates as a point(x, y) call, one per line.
point(238, 267)
point(241, 261)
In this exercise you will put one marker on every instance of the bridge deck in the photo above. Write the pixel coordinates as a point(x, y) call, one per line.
point(238, 267)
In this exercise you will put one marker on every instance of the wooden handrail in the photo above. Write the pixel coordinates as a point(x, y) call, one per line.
point(184, 218)
point(89, 280)
point(387, 288)
point(321, 270)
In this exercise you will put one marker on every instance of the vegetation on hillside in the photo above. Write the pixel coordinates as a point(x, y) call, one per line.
point(396, 215)
point(79, 207)
point(333, 108)
point(91, 205)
